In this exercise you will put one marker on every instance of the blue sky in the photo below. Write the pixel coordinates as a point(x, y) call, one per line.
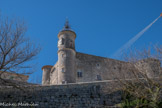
point(102, 26)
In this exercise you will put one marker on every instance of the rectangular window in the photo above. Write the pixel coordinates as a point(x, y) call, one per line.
point(63, 82)
point(98, 77)
point(97, 65)
point(79, 74)
point(63, 70)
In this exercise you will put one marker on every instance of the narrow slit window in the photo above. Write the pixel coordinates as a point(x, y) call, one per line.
point(71, 44)
point(62, 41)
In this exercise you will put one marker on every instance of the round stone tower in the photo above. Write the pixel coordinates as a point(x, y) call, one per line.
point(66, 55)
point(46, 74)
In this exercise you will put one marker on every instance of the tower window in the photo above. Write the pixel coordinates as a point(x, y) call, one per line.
point(63, 70)
point(79, 74)
point(62, 41)
point(98, 77)
point(71, 44)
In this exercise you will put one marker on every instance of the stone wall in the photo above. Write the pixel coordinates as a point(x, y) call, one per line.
point(96, 68)
point(83, 95)
point(14, 76)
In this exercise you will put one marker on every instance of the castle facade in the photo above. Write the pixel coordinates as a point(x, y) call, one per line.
point(75, 67)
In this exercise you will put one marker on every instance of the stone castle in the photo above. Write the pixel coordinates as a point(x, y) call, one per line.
point(75, 67)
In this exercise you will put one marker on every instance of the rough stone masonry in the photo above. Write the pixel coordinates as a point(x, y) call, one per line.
point(83, 95)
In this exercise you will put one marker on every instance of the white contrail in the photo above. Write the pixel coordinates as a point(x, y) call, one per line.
point(134, 39)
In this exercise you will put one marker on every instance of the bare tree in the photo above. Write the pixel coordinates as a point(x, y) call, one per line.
point(15, 49)
point(154, 51)
point(144, 90)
